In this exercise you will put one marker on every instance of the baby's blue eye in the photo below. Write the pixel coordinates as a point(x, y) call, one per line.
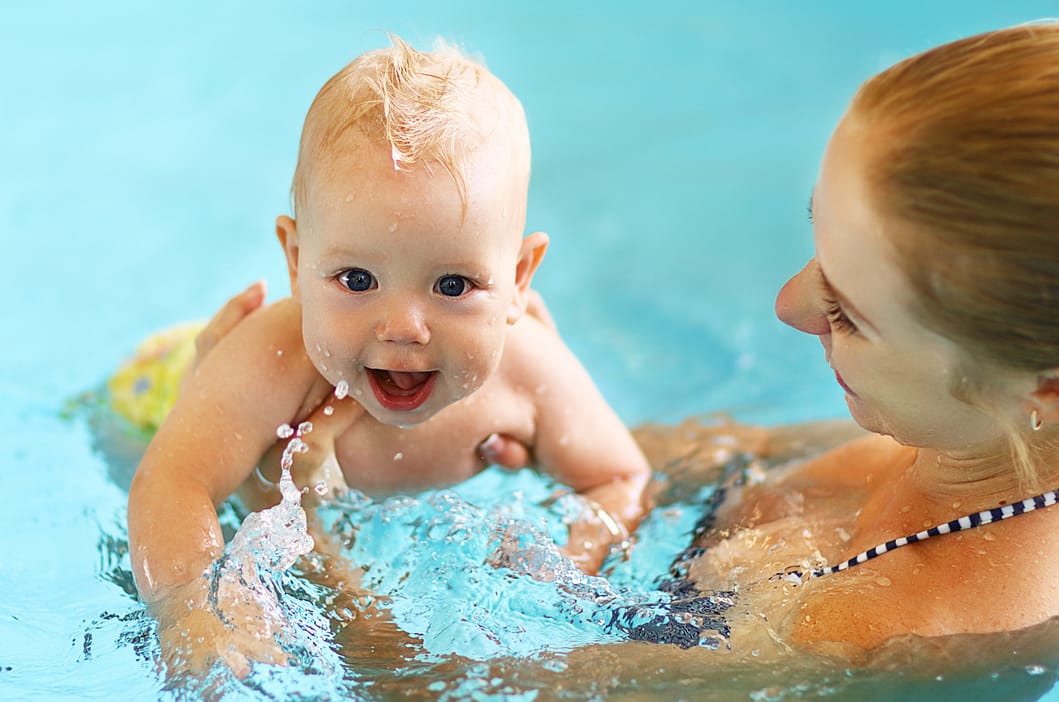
point(452, 285)
point(357, 280)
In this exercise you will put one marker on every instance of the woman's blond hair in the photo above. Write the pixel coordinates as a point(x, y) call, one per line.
point(965, 149)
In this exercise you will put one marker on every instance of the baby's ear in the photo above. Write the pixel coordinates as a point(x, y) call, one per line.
point(287, 233)
point(530, 255)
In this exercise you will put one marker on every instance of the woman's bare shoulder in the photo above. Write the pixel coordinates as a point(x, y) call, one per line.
point(861, 460)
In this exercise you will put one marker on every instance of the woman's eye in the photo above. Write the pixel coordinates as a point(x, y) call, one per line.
point(357, 280)
point(452, 285)
point(838, 319)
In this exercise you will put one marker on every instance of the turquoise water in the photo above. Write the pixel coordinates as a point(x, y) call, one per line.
point(146, 151)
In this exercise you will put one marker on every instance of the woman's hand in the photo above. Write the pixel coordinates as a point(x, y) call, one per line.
point(224, 320)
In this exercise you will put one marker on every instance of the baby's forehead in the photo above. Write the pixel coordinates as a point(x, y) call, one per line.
point(445, 113)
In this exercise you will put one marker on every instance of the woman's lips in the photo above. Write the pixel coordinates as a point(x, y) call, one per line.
point(401, 391)
point(838, 377)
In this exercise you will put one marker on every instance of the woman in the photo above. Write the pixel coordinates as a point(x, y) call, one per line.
point(935, 294)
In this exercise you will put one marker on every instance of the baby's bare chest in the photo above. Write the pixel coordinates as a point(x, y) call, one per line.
point(379, 459)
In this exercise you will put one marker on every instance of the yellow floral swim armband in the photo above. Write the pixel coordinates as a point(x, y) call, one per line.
point(145, 387)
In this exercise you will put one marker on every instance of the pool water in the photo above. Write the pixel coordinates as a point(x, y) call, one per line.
point(147, 151)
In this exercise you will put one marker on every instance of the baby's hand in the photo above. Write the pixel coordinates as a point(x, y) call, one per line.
point(194, 638)
point(592, 536)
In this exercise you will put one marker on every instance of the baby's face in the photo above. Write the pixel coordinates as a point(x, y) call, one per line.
point(405, 297)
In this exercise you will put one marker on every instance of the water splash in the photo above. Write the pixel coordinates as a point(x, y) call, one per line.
point(485, 582)
point(276, 537)
point(256, 560)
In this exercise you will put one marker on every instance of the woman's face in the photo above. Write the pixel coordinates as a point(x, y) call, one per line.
point(897, 374)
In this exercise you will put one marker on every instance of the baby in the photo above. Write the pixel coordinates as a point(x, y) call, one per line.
point(410, 277)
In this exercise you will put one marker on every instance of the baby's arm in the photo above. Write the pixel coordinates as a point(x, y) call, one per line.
point(255, 379)
point(581, 442)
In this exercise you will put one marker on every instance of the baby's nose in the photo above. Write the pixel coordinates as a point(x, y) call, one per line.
point(402, 322)
point(799, 305)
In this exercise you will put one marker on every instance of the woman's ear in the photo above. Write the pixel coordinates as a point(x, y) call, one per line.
point(1043, 404)
point(531, 253)
point(287, 233)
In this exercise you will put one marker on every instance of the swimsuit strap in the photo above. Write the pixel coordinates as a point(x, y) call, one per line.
point(997, 514)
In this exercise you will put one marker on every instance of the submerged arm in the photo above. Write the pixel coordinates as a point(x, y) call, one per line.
point(219, 427)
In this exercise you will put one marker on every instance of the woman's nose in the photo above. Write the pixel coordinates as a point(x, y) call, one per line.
point(798, 302)
point(402, 322)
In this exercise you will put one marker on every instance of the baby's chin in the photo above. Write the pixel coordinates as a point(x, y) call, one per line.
point(410, 419)
point(404, 420)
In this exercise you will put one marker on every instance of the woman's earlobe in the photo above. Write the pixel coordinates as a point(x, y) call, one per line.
point(1044, 405)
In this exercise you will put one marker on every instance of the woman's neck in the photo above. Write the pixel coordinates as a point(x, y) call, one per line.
point(985, 479)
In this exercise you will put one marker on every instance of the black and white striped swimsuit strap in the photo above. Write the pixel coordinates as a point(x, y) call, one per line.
point(970, 521)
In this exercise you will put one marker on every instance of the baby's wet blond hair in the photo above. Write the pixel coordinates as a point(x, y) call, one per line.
point(422, 105)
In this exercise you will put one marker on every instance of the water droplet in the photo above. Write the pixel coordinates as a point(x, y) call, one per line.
point(392, 227)
point(279, 352)
point(320, 488)
point(305, 428)
point(398, 456)
point(329, 410)
point(342, 390)
point(1036, 669)
point(284, 431)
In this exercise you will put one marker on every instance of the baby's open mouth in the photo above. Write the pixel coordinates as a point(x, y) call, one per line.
point(401, 391)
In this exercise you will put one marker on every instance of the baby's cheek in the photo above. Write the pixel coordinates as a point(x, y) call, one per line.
point(327, 351)
point(479, 362)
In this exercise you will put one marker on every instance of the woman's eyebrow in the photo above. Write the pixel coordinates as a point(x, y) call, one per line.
point(847, 306)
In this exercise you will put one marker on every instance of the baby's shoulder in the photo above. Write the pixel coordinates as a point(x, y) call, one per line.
point(532, 345)
point(267, 347)
point(272, 331)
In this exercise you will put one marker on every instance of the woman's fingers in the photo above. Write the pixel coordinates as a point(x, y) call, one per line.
point(223, 321)
point(317, 467)
point(329, 421)
point(228, 316)
point(504, 451)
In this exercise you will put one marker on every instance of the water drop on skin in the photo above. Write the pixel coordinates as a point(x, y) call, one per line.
point(398, 456)
point(284, 431)
point(329, 410)
point(342, 390)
